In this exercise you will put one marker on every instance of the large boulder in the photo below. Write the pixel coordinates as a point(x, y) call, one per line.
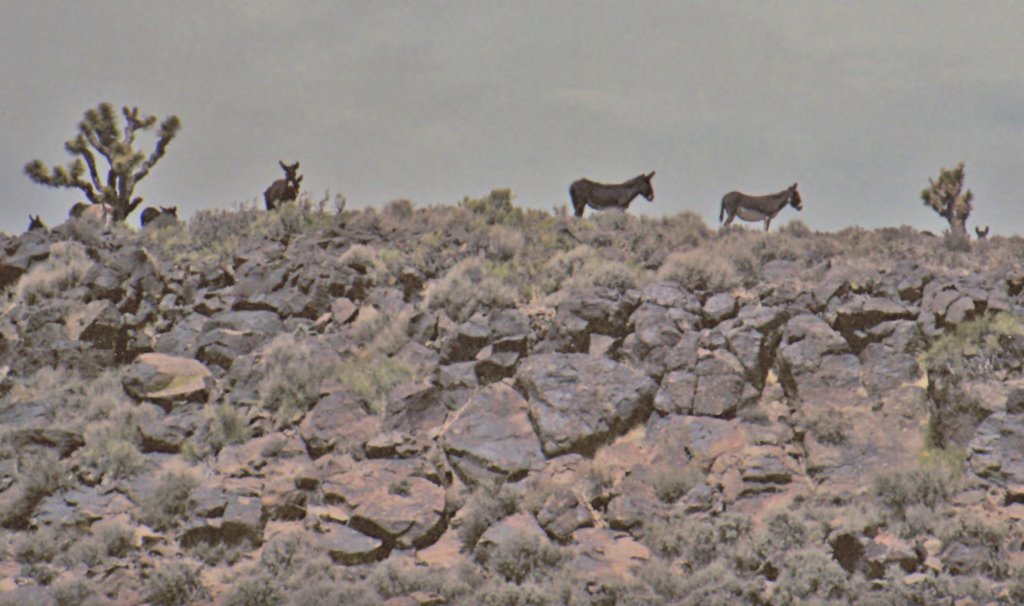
point(997, 451)
point(390, 503)
point(578, 401)
point(167, 380)
point(492, 438)
point(337, 422)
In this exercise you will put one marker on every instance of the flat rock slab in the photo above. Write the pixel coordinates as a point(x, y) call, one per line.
point(346, 545)
point(578, 401)
point(390, 503)
point(607, 556)
point(997, 451)
point(493, 435)
point(167, 379)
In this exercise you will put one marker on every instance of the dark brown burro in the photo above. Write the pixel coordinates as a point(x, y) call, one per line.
point(758, 208)
point(34, 223)
point(600, 196)
point(158, 217)
point(283, 190)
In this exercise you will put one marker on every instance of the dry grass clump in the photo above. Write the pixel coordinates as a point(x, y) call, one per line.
point(584, 266)
point(504, 243)
point(370, 375)
point(469, 287)
point(292, 372)
point(112, 442)
point(175, 584)
point(168, 501)
point(365, 260)
point(62, 271)
point(698, 270)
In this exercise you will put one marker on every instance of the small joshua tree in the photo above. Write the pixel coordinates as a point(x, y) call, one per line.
point(99, 133)
point(944, 197)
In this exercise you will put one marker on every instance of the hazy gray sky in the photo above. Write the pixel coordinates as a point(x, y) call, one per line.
point(860, 102)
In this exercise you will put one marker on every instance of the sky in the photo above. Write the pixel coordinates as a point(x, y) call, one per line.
point(859, 102)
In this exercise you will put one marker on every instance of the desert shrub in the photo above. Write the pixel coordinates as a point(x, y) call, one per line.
point(365, 260)
point(36, 550)
point(226, 425)
point(75, 591)
point(293, 219)
point(670, 481)
point(829, 424)
point(256, 590)
point(379, 332)
point(469, 287)
point(41, 475)
point(112, 445)
point(796, 228)
point(696, 540)
point(928, 485)
point(292, 372)
point(563, 265)
point(525, 556)
point(713, 585)
point(496, 208)
point(369, 376)
point(63, 270)
point(699, 270)
point(810, 574)
point(782, 533)
point(107, 539)
point(603, 273)
point(941, 588)
point(976, 346)
point(168, 501)
point(987, 535)
point(683, 230)
point(499, 593)
point(175, 584)
point(391, 579)
point(504, 243)
point(485, 507)
point(399, 210)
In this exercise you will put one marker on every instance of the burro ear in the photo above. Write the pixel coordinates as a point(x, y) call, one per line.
point(283, 165)
point(650, 175)
point(794, 186)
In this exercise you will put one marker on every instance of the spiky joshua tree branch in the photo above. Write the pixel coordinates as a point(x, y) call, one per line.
point(100, 136)
point(946, 197)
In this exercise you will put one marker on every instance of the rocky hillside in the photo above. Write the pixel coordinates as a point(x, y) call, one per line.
point(478, 404)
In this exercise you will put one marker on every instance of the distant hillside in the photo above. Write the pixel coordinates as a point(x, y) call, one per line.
point(482, 404)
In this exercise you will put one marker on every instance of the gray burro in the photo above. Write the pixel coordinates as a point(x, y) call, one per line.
point(462, 405)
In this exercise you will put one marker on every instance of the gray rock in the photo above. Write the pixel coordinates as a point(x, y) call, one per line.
point(492, 437)
point(337, 423)
point(719, 307)
point(577, 401)
point(348, 546)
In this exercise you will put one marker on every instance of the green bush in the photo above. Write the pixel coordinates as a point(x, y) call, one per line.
point(292, 373)
point(175, 584)
point(811, 574)
point(484, 508)
point(524, 556)
point(671, 481)
point(62, 271)
point(699, 270)
point(469, 287)
point(169, 501)
point(929, 485)
point(370, 376)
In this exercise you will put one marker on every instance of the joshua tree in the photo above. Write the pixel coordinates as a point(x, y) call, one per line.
point(944, 197)
point(100, 133)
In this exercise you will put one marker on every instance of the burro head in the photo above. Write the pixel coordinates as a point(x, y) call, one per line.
point(794, 199)
point(647, 190)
